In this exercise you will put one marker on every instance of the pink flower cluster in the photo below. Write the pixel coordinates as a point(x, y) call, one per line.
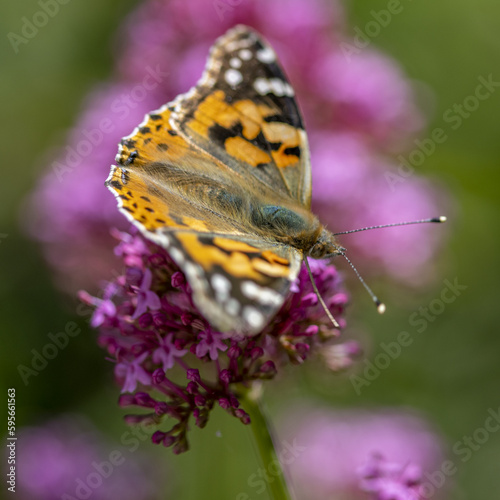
point(172, 363)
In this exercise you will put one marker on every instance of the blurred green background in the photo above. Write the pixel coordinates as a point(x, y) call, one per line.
point(451, 372)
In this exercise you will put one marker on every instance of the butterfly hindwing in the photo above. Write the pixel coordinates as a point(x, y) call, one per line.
point(239, 283)
point(244, 113)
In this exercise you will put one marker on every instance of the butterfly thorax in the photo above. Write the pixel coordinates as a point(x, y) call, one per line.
point(296, 227)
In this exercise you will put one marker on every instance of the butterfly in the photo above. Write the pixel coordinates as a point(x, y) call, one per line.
point(221, 178)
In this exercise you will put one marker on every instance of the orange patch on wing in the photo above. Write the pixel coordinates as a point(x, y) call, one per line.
point(140, 204)
point(195, 224)
point(245, 151)
point(234, 245)
point(282, 159)
point(274, 270)
point(236, 264)
point(272, 264)
point(153, 142)
point(288, 136)
point(252, 117)
point(215, 110)
point(281, 132)
point(272, 257)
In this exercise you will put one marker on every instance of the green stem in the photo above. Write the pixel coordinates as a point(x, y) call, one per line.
point(277, 485)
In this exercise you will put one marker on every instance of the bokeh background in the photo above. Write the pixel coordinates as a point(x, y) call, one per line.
point(449, 375)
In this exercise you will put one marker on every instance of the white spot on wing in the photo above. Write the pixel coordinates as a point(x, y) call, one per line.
point(233, 77)
point(176, 254)
point(253, 317)
point(266, 55)
point(232, 307)
point(261, 85)
point(250, 289)
point(222, 286)
point(234, 62)
point(245, 54)
point(289, 90)
point(192, 271)
point(275, 86)
point(263, 295)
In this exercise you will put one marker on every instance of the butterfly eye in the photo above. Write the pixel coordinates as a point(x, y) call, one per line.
point(325, 247)
point(318, 250)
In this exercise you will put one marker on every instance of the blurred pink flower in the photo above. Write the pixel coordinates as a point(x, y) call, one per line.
point(350, 191)
point(390, 480)
point(71, 212)
point(370, 95)
point(68, 458)
point(335, 445)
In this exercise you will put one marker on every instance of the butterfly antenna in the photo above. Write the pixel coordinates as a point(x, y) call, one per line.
point(380, 305)
point(421, 221)
point(321, 301)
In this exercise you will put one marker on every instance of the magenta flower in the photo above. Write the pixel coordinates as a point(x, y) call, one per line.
point(172, 352)
point(210, 342)
point(167, 352)
point(105, 309)
point(133, 373)
point(370, 96)
point(131, 248)
point(359, 111)
point(146, 299)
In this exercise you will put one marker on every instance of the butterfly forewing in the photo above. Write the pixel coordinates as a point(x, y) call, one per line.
point(243, 112)
point(162, 183)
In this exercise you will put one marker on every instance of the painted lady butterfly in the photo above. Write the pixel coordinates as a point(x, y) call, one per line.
point(221, 178)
